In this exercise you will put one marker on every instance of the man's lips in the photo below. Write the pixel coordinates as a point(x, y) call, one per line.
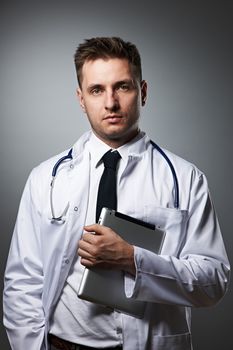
point(113, 118)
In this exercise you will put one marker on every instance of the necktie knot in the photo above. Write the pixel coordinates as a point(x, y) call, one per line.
point(111, 159)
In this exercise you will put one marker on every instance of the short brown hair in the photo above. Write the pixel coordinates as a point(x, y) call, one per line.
point(107, 47)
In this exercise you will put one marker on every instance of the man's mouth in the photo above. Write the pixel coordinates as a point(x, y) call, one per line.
point(113, 118)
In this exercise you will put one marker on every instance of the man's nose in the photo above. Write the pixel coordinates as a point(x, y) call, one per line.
point(111, 100)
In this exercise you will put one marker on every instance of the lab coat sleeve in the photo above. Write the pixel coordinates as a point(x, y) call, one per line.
point(199, 275)
point(23, 312)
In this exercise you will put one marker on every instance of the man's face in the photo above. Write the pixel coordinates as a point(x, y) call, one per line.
point(111, 96)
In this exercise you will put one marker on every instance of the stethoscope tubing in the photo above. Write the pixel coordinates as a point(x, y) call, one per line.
point(176, 184)
point(56, 166)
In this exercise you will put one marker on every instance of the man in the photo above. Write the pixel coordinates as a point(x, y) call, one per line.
point(53, 241)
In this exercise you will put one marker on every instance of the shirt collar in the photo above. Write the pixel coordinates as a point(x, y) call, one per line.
point(134, 148)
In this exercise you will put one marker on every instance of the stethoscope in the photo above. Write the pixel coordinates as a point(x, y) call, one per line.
point(61, 218)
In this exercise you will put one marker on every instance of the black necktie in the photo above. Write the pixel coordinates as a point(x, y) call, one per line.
point(107, 187)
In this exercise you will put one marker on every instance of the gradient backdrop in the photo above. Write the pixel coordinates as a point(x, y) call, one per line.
point(187, 54)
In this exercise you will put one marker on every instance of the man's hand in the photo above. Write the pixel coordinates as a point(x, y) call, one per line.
point(102, 246)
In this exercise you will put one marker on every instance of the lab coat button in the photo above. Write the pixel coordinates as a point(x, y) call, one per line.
point(67, 261)
point(71, 166)
point(75, 208)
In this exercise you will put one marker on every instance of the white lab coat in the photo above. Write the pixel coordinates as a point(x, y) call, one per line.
point(192, 270)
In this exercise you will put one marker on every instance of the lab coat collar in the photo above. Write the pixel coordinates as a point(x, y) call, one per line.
point(135, 148)
point(78, 148)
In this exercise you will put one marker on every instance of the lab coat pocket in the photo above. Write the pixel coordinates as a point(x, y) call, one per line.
point(173, 222)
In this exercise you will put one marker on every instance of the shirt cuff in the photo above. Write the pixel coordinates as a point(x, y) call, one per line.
point(131, 281)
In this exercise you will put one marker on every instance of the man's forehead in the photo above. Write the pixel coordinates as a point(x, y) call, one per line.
point(107, 69)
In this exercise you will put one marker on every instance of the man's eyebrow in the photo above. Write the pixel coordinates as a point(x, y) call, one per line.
point(125, 81)
point(94, 86)
point(117, 83)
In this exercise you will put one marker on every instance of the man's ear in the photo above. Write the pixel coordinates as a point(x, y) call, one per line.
point(143, 92)
point(81, 100)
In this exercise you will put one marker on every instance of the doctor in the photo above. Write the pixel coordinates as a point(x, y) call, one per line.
point(53, 240)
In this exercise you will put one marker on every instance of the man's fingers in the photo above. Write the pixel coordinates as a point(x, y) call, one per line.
point(91, 228)
point(86, 249)
point(99, 229)
point(84, 254)
point(88, 237)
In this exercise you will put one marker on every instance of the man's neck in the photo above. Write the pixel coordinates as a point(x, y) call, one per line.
point(118, 142)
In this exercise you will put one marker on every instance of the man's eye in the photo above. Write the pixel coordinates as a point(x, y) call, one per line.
point(96, 91)
point(123, 87)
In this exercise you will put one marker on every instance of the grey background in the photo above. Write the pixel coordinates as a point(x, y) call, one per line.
point(187, 54)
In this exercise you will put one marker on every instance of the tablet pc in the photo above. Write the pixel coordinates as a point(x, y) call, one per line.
point(106, 287)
